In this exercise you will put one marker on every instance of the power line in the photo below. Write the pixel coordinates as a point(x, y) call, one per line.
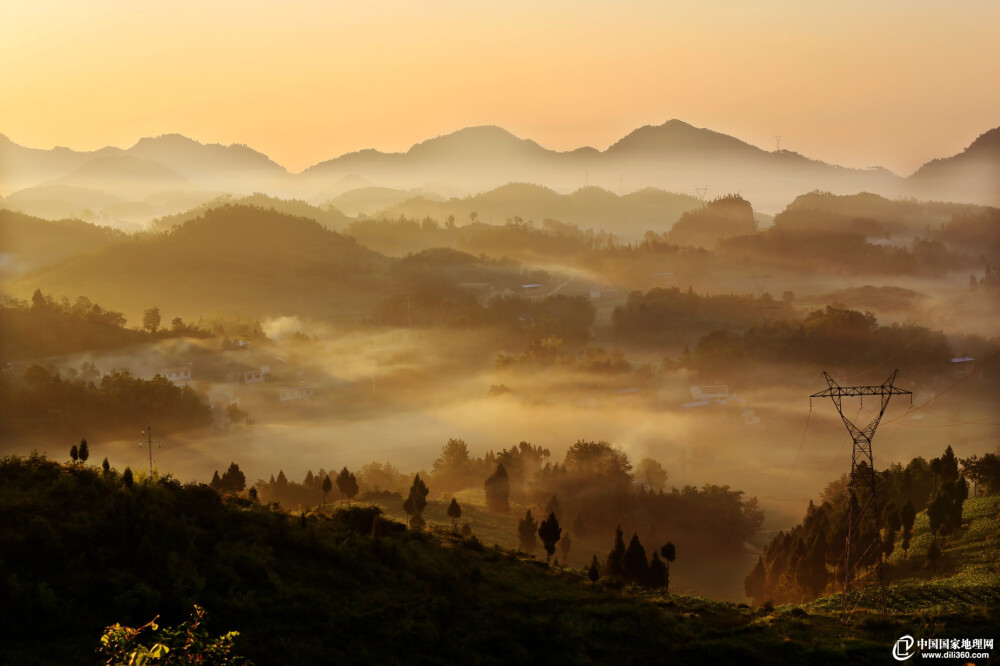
point(862, 556)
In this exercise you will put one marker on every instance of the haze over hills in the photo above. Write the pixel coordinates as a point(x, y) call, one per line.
point(674, 156)
point(972, 175)
point(630, 215)
point(233, 258)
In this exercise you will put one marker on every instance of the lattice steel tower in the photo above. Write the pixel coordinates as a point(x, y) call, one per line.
point(863, 548)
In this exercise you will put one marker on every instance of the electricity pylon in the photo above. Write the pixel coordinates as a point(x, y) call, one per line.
point(863, 548)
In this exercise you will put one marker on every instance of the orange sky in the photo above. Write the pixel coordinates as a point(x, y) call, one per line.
point(306, 80)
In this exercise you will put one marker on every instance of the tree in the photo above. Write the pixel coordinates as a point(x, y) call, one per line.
point(565, 543)
point(526, 530)
point(933, 554)
point(906, 516)
point(755, 584)
point(669, 551)
point(74, 453)
point(216, 482)
point(651, 473)
point(127, 477)
point(416, 502)
point(634, 564)
point(327, 485)
point(151, 319)
point(553, 507)
point(594, 570)
point(550, 532)
point(83, 451)
point(454, 512)
point(106, 466)
point(234, 480)
point(347, 483)
point(657, 571)
point(454, 461)
point(498, 491)
point(613, 565)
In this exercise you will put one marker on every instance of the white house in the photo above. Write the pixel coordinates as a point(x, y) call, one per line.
point(179, 375)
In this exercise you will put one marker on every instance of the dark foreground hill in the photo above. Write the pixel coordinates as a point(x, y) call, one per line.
point(81, 549)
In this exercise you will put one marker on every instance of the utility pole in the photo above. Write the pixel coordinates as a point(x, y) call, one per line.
point(149, 445)
point(863, 551)
point(777, 137)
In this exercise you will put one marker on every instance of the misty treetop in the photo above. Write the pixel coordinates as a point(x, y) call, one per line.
point(44, 403)
point(47, 327)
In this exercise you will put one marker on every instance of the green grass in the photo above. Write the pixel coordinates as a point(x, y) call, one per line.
point(967, 577)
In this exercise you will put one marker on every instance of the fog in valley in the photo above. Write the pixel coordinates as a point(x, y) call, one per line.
point(357, 314)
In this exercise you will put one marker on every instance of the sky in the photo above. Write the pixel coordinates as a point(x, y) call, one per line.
point(894, 83)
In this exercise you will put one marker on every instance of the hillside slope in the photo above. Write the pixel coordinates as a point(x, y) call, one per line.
point(236, 259)
point(321, 589)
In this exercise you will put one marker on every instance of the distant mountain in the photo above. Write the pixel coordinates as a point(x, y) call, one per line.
point(677, 138)
point(233, 168)
point(371, 200)
point(328, 216)
point(674, 156)
point(632, 214)
point(233, 259)
point(60, 201)
point(130, 176)
point(972, 175)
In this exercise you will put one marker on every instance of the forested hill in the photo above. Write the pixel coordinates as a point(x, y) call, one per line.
point(233, 258)
point(81, 549)
point(28, 243)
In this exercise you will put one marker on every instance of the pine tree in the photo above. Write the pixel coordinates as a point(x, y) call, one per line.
point(550, 532)
point(755, 584)
point(594, 570)
point(327, 486)
point(498, 491)
point(347, 483)
point(553, 507)
point(634, 561)
point(74, 454)
point(234, 480)
point(933, 554)
point(216, 482)
point(613, 565)
point(657, 571)
point(106, 466)
point(84, 451)
point(309, 480)
point(527, 528)
point(127, 477)
point(416, 502)
point(454, 512)
point(907, 515)
point(565, 543)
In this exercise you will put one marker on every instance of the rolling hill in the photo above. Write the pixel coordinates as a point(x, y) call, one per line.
point(233, 259)
point(972, 175)
point(28, 243)
point(629, 215)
